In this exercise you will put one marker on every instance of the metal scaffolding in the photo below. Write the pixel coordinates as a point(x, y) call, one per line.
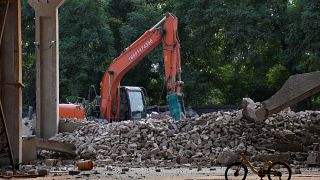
point(11, 74)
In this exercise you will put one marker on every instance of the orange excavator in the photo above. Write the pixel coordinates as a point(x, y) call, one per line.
point(125, 102)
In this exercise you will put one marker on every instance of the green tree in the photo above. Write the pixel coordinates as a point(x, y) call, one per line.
point(86, 46)
point(28, 55)
point(150, 72)
point(231, 45)
point(230, 49)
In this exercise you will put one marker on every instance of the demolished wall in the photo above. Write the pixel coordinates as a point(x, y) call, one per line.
point(213, 138)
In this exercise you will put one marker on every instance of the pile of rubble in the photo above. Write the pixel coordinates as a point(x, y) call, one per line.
point(28, 126)
point(212, 138)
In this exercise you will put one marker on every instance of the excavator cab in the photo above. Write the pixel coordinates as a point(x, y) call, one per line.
point(132, 103)
point(92, 105)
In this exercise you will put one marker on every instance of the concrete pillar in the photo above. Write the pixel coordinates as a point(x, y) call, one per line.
point(11, 74)
point(47, 64)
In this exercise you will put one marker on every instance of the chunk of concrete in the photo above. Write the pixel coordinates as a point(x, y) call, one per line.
point(182, 160)
point(29, 149)
point(313, 158)
point(288, 134)
point(43, 172)
point(55, 146)
point(227, 157)
point(253, 111)
point(50, 162)
point(295, 89)
point(289, 147)
point(273, 157)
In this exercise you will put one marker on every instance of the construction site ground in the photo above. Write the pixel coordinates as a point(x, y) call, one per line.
point(199, 148)
point(182, 173)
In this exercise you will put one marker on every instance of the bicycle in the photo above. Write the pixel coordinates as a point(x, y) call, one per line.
point(274, 170)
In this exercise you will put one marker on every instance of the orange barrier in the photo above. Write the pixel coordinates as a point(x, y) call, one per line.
point(71, 111)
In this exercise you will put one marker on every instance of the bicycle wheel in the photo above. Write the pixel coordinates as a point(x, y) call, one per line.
point(236, 170)
point(279, 170)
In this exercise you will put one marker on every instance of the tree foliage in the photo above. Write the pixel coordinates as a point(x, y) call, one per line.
point(86, 46)
point(28, 55)
point(229, 49)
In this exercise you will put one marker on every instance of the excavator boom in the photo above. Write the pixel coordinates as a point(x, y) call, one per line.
point(164, 31)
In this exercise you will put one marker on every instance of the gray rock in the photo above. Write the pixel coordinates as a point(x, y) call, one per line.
point(313, 158)
point(182, 160)
point(225, 158)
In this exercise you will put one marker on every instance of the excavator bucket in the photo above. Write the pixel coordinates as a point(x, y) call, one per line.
point(176, 106)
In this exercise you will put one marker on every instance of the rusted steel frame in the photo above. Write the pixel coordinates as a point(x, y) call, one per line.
point(19, 84)
point(4, 21)
point(3, 121)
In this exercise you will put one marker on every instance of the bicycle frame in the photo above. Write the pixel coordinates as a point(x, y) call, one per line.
point(269, 168)
point(244, 160)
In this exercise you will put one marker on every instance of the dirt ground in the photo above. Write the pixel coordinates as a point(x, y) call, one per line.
point(166, 173)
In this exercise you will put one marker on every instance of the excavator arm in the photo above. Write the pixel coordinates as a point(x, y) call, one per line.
point(164, 31)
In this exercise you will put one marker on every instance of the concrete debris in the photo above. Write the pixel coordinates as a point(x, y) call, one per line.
point(74, 172)
point(297, 171)
point(55, 146)
point(126, 169)
point(288, 147)
point(210, 139)
point(287, 134)
point(32, 172)
point(9, 173)
point(29, 149)
point(69, 125)
point(28, 126)
point(313, 158)
point(253, 111)
point(50, 162)
point(227, 157)
point(43, 172)
point(273, 157)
